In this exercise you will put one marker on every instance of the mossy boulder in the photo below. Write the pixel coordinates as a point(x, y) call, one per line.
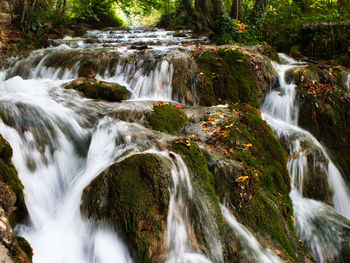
point(212, 232)
point(229, 75)
point(167, 118)
point(96, 89)
point(132, 196)
point(12, 208)
point(248, 165)
point(9, 176)
point(325, 110)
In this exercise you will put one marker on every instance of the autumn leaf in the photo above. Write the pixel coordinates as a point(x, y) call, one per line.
point(180, 106)
point(183, 141)
point(241, 179)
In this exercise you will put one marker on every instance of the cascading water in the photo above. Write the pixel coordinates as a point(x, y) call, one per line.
point(252, 249)
point(61, 143)
point(318, 225)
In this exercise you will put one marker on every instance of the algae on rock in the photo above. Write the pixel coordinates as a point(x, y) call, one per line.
point(96, 89)
point(12, 208)
point(167, 118)
point(325, 110)
point(133, 197)
point(231, 75)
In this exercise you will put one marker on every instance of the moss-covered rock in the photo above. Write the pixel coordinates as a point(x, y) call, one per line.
point(325, 110)
point(204, 207)
point(132, 196)
point(95, 89)
point(12, 208)
point(250, 175)
point(9, 176)
point(166, 118)
point(229, 75)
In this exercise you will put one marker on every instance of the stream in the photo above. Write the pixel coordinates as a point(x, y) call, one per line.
point(61, 141)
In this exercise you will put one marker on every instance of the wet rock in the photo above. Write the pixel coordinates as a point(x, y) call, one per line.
point(12, 209)
point(133, 197)
point(96, 89)
point(88, 69)
point(212, 236)
point(143, 47)
point(315, 183)
point(250, 175)
point(327, 235)
point(325, 110)
point(8, 175)
point(231, 75)
point(185, 79)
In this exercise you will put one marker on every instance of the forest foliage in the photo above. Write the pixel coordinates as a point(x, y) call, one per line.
point(276, 22)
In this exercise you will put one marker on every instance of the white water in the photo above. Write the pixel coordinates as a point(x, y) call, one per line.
point(347, 82)
point(61, 144)
point(252, 248)
point(280, 110)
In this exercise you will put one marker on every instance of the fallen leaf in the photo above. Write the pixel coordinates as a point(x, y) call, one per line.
point(241, 179)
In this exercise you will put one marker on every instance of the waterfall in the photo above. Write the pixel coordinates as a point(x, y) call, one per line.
point(280, 110)
point(252, 249)
point(62, 141)
point(347, 82)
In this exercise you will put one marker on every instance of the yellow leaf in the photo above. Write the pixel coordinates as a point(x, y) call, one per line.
point(241, 179)
point(249, 145)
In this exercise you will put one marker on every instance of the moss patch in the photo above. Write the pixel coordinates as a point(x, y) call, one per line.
point(325, 110)
point(226, 76)
point(133, 197)
point(166, 118)
point(95, 89)
point(8, 175)
point(204, 194)
point(258, 188)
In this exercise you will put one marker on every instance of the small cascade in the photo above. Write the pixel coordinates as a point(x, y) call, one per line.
point(280, 110)
point(347, 82)
point(179, 244)
point(144, 65)
point(252, 249)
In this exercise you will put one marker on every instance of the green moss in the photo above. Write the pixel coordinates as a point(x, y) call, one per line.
point(325, 111)
point(96, 89)
point(226, 77)
point(167, 118)
point(262, 201)
point(271, 53)
point(133, 197)
point(202, 180)
point(25, 246)
point(8, 175)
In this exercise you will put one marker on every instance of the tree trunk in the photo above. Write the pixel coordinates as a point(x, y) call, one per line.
point(236, 9)
point(218, 8)
point(63, 11)
point(203, 8)
point(24, 7)
point(187, 5)
point(30, 15)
